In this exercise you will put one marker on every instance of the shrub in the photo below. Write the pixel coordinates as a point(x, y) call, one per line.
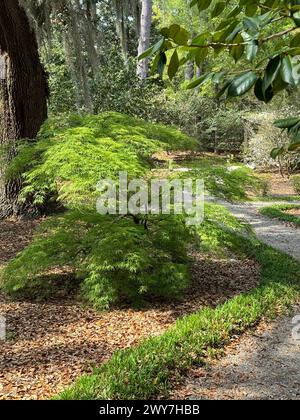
point(216, 127)
point(112, 258)
point(262, 137)
point(72, 154)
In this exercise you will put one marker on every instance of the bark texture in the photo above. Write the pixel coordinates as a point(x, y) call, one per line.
point(24, 94)
point(144, 39)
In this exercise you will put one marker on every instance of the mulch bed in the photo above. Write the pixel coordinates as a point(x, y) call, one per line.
point(50, 344)
point(279, 186)
point(14, 235)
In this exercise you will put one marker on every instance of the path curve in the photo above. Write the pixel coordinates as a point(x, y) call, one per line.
point(273, 232)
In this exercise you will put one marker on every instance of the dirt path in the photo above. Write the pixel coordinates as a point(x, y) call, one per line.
point(273, 232)
point(260, 366)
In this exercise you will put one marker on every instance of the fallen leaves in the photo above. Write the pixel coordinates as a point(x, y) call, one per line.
point(50, 344)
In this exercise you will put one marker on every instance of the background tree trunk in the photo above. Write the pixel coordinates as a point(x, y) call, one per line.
point(144, 39)
point(189, 70)
point(121, 27)
point(23, 95)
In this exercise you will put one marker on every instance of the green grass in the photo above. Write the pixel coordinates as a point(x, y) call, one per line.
point(146, 371)
point(278, 212)
point(272, 198)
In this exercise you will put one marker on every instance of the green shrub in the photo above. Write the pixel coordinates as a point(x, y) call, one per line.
point(112, 258)
point(217, 127)
point(296, 183)
point(72, 154)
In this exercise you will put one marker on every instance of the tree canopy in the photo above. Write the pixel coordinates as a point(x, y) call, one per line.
point(262, 39)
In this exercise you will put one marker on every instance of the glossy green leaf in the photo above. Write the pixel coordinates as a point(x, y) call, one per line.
point(286, 71)
point(237, 51)
point(173, 65)
point(218, 9)
point(200, 81)
point(151, 51)
point(277, 152)
point(242, 84)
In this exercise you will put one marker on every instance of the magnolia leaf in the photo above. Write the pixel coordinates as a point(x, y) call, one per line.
point(277, 152)
point(218, 9)
point(287, 123)
point(151, 51)
point(200, 81)
point(286, 71)
point(242, 84)
point(173, 65)
point(238, 50)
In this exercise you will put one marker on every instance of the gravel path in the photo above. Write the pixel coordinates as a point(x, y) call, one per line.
point(260, 366)
point(270, 231)
point(264, 366)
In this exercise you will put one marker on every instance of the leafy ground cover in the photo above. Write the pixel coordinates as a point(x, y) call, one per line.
point(223, 178)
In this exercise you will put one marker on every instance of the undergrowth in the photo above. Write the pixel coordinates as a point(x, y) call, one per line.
point(223, 179)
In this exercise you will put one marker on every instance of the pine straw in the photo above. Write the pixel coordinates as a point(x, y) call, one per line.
point(51, 344)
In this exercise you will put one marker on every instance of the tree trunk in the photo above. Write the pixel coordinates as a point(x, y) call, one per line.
point(144, 40)
point(23, 95)
point(189, 70)
point(121, 27)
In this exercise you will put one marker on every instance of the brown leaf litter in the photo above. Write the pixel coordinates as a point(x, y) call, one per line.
point(49, 345)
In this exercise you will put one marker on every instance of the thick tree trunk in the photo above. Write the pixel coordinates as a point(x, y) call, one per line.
point(23, 95)
point(145, 34)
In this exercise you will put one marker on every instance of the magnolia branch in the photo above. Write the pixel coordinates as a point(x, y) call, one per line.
point(237, 44)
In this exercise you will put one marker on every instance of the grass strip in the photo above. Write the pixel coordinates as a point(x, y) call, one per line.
point(278, 212)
